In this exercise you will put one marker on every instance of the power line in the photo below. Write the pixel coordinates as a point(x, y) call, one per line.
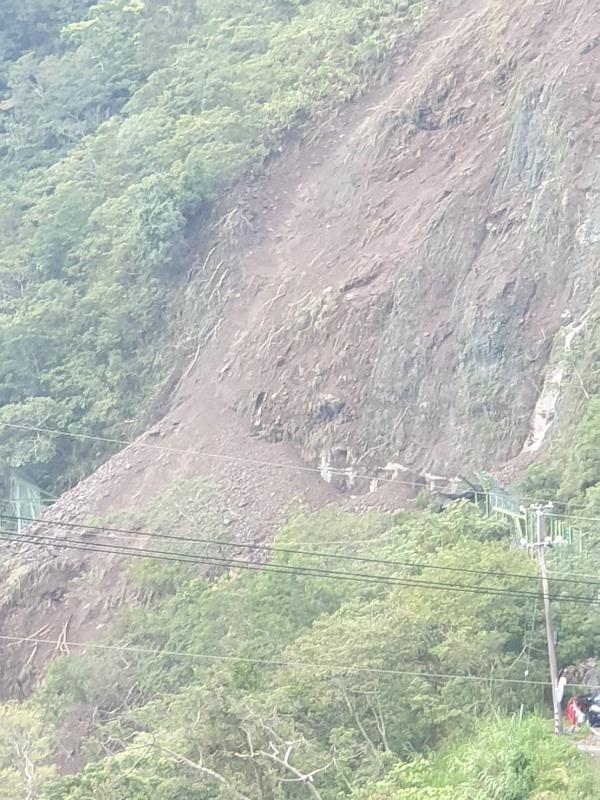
point(9, 503)
point(188, 558)
point(215, 561)
point(191, 452)
point(191, 558)
point(256, 462)
point(101, 529)
point(577, 517)
point(161, 555)
point(240, 459)
point(275, 662)
point(271, 662)
point(208, 454)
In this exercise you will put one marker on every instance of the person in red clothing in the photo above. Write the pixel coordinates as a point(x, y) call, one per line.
point(574, 713)
point(582, 708)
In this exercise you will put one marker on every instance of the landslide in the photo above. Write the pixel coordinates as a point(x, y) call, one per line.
point(382, 301)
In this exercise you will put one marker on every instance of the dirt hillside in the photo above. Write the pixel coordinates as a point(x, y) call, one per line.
point(384, 300)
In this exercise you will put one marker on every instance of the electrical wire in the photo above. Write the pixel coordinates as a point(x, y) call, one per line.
point(270, 662)
point(275, 662)
point(256, 462)
point(190, 558)
point(190, 452)
point(239, 459)
point(105, 530)
point(217, 456)
point(10, 504)
point(577, 579)
point(576, 517)
point(49, 541)
point(310, 572)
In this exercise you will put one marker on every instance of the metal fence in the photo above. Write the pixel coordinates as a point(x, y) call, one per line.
point(558, 530)
point(25, 502)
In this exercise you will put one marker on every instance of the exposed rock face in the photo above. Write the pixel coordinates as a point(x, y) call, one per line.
point(431, 250)
point(383, 303)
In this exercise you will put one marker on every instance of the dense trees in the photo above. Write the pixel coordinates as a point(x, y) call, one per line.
point(24, 753)
point(323, 688)
point(504, 760)
point(119, 122)
point(34, 25)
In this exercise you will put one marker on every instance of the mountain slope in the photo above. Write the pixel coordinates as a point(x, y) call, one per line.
point(396, 287)
point(387, 293)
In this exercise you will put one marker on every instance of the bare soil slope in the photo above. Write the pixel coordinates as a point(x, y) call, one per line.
point(383, 301)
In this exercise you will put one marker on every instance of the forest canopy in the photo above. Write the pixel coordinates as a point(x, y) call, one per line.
point(242, 687)
point(121, 123)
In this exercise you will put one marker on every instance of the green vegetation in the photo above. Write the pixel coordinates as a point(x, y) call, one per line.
point(570, 466)
point(24, 753)
point(121, 122)
point(570, 474)
point(346, 679)
point(505, 760)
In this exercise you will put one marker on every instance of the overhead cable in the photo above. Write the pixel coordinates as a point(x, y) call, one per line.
point(49, 541)
point(106, 530)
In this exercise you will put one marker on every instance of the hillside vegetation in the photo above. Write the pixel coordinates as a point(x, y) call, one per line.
point(120, 125)
point(438, 253)
point(267, 678)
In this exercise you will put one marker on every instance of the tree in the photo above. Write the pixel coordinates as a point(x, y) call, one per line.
point(120, 123)
point(315, 687)
point(24, 753)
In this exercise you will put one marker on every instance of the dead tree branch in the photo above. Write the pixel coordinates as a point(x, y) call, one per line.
point(199, 767)
point(275, 755)
point(361, 727)
point(307, 778)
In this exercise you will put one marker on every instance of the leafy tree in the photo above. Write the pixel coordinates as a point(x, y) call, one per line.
point(315, 681)
point(24, 753)
point(122, 122)
point(34, 24)
point(582, 470)
point(505, 760)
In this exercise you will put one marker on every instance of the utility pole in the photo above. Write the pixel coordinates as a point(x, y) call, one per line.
point(550, 635)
